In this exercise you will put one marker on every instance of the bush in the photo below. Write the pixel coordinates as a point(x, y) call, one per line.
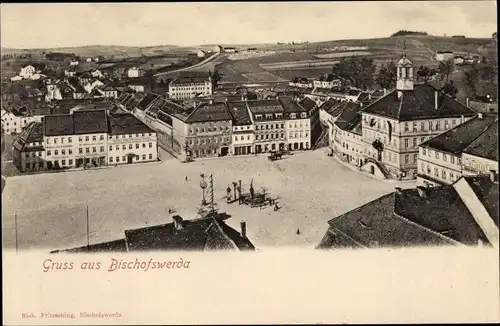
point(405, 33)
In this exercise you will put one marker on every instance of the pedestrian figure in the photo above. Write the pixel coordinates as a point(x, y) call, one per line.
point(186, 178)
point(276, 207)
point(298, 231)
point(228, 191)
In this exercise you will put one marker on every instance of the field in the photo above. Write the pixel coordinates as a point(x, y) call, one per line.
point(342, 54)
point(308, 73)
point(298, 64)
point(311, 189)
point(262, 76)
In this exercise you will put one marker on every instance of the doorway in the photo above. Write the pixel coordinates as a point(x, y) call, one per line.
point(372, 169)
point(130, 158)
point(224, 151)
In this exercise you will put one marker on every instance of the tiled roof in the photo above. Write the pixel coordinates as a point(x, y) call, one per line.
point(486, 145)
point(459, 138)
point(307, 103)
point(375, 225)
point(290, 105)
point(126, 123)
point(265, 106)
point(487, 193)
point(350, 116)
point(209, 112)
point(332, 107)
point(111, 246)
point(440, 210)
point(56, 125)
point(88, 122)
point(32, 133)
point(199, 234)
point(239, 112)
point(147, 100)
point(418, 104)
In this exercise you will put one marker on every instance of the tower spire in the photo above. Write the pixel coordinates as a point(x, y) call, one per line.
point(404, 48)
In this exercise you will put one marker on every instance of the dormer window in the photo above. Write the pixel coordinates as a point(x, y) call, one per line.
point(258, 116)
point(279, 115)
point(292, 116)
point(303, 115)
point(269, 116)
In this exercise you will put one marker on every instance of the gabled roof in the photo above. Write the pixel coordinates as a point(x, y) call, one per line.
point(209, 112)
point(487, 193)
point(418, 104)
point(307, 103)
point(265, 106)
point(459, 138)
point(126, 123)
point(332, 107)
point(146, 101)
point(486, 145)
point(56, 125)
point(88, 122)
point(239, 112)
point(290, 105)
point(198, 234)
point(349, 117)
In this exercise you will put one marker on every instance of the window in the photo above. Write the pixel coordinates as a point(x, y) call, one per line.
point(56, 152)
point(437, 154)
point(406, 126)
point(129, 146)
point(452, 176)
point(438, 125)
point(406, 143)
point(80, 139)
point(444, 157)
point(452, 159)
point(110, 160)
point(110, 147)
point(436, 172)
point(87, 138)
point(62, 140)
point(55, 140)
point(80, 151)
point(415, 158)
point(124, 146)
point(70, 162)
point(422, 126)
point(117, 159)
point(407, 159)
point(150, 156)
point(94, 138)
point(443, 174)
point(430, 125)
point(136, 146)
point(143, 145)
point(150, 145)
point(63, 152)
point(70, 140)
point(87, 150)
point(143, 156)
point(446, 125)
point(453, 123)
point(422, 139)
point(49, 153)
point(102, 149)
point(63, 162)
point(414, 142)
point(414, 127)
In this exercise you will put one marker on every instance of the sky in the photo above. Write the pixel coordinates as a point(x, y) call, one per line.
point(37, 25)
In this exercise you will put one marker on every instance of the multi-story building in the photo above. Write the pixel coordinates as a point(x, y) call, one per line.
point(15, 121)
point(76, 139)
point(444, 159)
point(297, 125)
point(346, 139)
point(394, 126)
point(28, 149)
point(190, 86)
point(130, 140)
point(301, 82)
point(444, 55)
point(27, 72)
point(243, 128)
point(269, 122)
point(327, 81)
point(209, 130)
point(134, 72)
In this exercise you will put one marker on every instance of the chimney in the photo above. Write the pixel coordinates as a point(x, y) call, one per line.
point(385, 92)
point(467, 102)
point(493, 176)
point(400, 94)
point(422, 191)
point(480, 115)
point(436, 98)
point(399, 190)
point(462, 119)
point(178, 222)
point(243, 229)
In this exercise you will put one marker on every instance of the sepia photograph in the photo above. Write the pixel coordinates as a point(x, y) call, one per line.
point(134, 132)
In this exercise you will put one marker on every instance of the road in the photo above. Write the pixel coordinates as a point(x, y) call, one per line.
point(198, 65)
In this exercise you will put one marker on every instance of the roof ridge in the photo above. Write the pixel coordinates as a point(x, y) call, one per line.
point(359, 207)
point(484, 131)
point(345, 234)
point(216, 222)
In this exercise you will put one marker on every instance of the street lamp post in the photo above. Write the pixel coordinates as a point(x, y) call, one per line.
point(203, 186)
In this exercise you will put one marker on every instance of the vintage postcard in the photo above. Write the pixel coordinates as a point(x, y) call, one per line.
point(245, 162)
